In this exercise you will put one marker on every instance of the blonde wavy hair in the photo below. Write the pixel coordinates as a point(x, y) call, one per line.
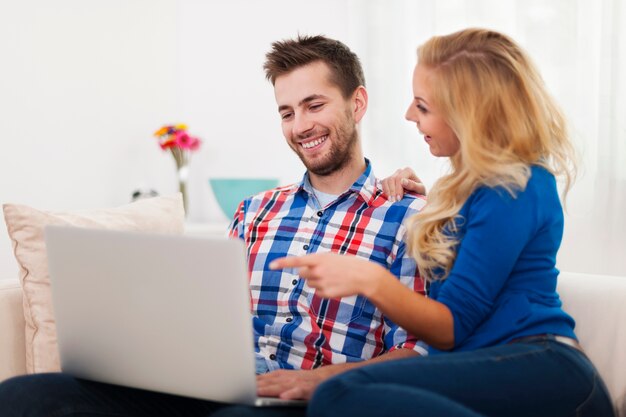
point(495, 101)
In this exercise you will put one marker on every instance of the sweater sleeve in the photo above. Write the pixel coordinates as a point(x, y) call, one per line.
point(496, 227)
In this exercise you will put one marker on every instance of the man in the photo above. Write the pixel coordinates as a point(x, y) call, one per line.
point(300, 339)
point(339, 207)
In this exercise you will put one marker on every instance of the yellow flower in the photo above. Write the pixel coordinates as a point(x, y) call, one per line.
point(162, 131)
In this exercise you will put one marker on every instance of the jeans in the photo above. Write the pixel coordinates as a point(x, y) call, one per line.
point(538, 378)
point(61, 395)
point(542, 378)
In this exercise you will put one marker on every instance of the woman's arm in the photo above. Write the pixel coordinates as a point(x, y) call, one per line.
point(333, 275)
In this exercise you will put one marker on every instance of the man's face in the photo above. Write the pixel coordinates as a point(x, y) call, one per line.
point(317, 121)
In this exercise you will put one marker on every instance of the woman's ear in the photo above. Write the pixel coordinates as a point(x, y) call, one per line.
point(359, 103)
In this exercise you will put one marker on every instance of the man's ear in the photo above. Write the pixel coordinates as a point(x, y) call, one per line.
point(359, 103)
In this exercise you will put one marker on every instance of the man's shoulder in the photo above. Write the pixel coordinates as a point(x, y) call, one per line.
point(414, 199)
point(411, 202)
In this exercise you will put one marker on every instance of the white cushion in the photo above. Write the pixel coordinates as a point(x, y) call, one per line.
point(598, 304)
point(26, 229)
point(12, 347)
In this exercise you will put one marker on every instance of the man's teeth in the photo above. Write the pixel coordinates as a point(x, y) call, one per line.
point(313, 143)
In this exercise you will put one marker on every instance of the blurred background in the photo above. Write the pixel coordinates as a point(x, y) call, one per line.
point(84, 84)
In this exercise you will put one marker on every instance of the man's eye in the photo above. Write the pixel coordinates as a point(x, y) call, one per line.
point(285, 116)
point(316, 106)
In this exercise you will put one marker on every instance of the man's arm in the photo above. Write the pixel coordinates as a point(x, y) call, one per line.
point(300, 384)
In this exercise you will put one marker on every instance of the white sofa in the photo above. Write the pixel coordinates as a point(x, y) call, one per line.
point(598, 303)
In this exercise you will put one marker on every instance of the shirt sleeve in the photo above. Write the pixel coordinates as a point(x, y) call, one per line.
point(497, 228)
point(236, 228)
point(405, 268)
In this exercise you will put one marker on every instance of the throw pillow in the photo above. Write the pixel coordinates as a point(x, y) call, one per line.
point(26, 227)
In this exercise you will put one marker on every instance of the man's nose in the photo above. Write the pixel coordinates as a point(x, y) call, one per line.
point(302, 124)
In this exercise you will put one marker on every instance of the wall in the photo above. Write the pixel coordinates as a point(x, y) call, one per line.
point(222, 91)
point(84, 84)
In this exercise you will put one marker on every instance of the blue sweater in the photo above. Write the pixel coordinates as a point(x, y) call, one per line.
point(503, 282)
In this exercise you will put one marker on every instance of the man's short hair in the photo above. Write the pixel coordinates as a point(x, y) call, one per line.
point(288, 55)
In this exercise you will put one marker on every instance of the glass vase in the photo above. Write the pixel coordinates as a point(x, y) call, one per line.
point(183, 174)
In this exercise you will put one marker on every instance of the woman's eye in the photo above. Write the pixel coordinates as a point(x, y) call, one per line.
point(422, 108)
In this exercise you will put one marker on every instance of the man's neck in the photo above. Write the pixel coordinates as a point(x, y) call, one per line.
point(340, 181)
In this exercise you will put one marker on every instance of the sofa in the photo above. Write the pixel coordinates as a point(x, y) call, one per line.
point(597, 302)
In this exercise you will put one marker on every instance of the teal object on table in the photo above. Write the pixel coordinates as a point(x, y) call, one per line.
point(229, 192)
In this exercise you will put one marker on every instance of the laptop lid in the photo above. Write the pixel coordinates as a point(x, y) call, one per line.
point(166, 313)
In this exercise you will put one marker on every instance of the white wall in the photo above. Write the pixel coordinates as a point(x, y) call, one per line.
point(84, 84)
point(580, 49)
point(222, 91)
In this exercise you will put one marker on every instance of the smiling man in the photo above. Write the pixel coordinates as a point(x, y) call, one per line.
point(302, 339)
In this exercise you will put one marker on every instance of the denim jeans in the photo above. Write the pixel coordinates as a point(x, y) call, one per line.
point(535, 379)
point(61, 395)
point(539, 378)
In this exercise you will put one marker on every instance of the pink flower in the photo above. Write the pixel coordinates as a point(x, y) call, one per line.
point(176, 137)
point(184, 141)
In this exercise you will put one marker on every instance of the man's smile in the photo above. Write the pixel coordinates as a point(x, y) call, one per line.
point(314, 143)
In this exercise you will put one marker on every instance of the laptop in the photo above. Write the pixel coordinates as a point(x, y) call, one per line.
point(167, 313)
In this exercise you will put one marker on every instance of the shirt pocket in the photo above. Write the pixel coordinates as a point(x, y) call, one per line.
point(336, 310)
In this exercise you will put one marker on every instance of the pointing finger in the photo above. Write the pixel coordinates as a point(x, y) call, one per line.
point(293, 262)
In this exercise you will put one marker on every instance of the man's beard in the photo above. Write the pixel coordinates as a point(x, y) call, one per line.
point(342, 146)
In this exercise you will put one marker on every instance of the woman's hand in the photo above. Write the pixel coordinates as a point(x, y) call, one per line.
point(401, 180)
point(333, 275)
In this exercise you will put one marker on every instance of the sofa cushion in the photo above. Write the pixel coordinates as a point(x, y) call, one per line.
point(26, 230)
point(597, 303)
point(12, 360)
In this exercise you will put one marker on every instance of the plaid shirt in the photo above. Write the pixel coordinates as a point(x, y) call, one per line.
point(293, 327)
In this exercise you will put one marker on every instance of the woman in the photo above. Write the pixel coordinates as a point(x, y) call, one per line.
point(486, 245)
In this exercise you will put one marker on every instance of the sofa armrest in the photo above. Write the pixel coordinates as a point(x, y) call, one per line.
point(597, 304)
point(12, 348)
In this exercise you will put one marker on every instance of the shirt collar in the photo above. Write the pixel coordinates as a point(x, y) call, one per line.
point(365, 186)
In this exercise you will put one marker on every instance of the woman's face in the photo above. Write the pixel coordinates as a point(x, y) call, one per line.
point(429, 121)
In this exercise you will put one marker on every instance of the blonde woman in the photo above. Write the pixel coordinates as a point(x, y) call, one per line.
point(486, 244)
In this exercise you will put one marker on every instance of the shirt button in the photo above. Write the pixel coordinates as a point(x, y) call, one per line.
point(289, 320)
point(294, 282)
point(305, 247)
point(320, 213)
point(273, 357)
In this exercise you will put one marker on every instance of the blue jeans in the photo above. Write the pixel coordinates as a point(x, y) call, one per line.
point(539, 378)
point(61, 395)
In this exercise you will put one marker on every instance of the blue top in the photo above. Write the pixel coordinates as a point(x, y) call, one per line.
point(503, 282)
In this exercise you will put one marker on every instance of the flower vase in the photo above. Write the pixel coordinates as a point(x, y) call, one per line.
point(183, 174)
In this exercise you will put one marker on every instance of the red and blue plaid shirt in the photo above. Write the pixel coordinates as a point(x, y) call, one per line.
point(293, 327)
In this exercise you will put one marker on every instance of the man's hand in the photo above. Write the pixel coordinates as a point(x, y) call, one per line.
point(290, 384)
point(401, 180)
point(300, 385)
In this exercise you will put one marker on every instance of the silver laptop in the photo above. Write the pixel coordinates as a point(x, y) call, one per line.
point(165, 313)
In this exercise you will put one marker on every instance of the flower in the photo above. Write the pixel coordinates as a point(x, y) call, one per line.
point(178, 141)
